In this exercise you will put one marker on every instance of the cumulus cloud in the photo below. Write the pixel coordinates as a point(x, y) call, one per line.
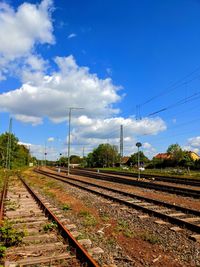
point(21, 30)
point(92, 132)
point(106, 128)
point(70, 86)
point(193, 144)
point(194, 141)
point(74, 86)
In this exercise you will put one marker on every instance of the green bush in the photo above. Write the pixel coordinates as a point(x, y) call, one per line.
point(50, 226)
point(10, 236)
point(2, 251)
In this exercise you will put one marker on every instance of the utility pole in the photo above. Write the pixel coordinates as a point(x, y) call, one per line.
point(69, 132)
point(83, 152)
point(121, 144)
point(8, 152)
point(138, 144)
point(45, 154)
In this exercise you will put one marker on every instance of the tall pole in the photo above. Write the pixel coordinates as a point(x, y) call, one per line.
point(138, 144)
point(138, 162)
point(8, 156)
point(45, 154)
point(121, 144)
point(70, 112)
point(69, 132)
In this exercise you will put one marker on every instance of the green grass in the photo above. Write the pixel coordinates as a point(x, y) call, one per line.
point(10, 236)
point(123, 226)
point(88, 219)
point(66, 207)
point(50, 227)
point(162, 172)
point(151, 238)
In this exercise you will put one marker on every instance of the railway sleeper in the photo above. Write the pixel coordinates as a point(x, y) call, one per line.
point(32, 261)
point(35, 249)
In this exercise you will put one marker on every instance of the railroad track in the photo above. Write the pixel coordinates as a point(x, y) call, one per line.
point(46, 239)
point(174, 214)
point(176, 180)
point(144, 184)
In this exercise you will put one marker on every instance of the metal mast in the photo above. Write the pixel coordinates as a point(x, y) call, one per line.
point(121, 143)
point(8, 152)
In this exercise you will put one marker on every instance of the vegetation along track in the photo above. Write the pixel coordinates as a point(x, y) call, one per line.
point(174, 214)
point(145, 184)
point(34, 232)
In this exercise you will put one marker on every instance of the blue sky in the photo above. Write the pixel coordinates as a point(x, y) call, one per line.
point(130, 63)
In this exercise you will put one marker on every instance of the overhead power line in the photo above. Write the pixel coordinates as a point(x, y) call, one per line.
point(184, 100)
point(173, 86)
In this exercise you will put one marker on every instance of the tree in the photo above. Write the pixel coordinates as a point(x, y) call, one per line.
point(63, 161)
point(74, 159)
point(134, 158)
point(176, 152)
point(103, 155)
point(19, 154)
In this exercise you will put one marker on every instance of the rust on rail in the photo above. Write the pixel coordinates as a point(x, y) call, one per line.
point(3, 197)
point(81, 253)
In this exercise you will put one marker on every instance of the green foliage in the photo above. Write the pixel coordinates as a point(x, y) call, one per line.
point(50, 226)
point(176, 152)
point(11, 205)
point(10, 236)
point(19, 154)
point(105, 155)
point(134, 158)
point(84, 213)
point(74, 159)
point(152, 239)
point(66, 207)
point(105, 217)
point(123, 226)
point(62, 161)
point(89, 219)
point(2, 251)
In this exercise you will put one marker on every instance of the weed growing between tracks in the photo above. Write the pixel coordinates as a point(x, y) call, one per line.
point(66, 207)
point(9, 237)
point(89, 219)
point(50, 227)
point(118, 230)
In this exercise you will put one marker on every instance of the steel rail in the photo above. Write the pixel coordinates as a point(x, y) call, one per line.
point(171, 219)
point(81, 253)
point(165, 188)
point(177, 180)
point(3, 197)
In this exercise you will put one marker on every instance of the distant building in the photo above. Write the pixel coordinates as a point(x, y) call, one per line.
point(194, 156)
point(163, 156)
point(125, 160)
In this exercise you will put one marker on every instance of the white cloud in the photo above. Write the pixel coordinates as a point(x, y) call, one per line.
point(70, 86)
point(74, 86)
point(21, 30)
point(72, 35)
point(193, 144)
point(148, 150)
point(98, 131)
point(109, 128)
point(194, 141)
point(51, 139)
